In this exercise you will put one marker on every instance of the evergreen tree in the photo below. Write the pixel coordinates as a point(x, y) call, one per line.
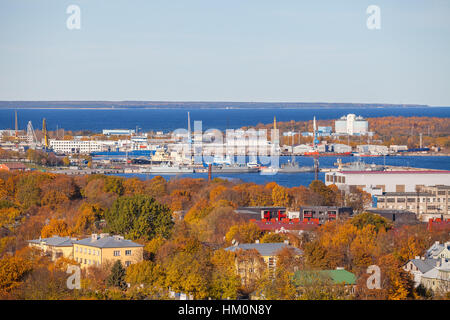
point(117, 276)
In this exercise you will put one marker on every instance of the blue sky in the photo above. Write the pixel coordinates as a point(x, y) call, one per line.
point(234, 50)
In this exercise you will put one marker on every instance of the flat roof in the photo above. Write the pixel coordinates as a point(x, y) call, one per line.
point(398, 172)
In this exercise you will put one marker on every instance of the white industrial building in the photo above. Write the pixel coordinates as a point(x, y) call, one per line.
point(351, 125)
point(375, 182)
point(75, 146)
point(373, 149)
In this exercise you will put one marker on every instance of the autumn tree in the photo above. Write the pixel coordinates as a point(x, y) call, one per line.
point(56, 227)
point(280, 196)
point(243, 233)
point(139, 217)
point(12, 272)
point(225, 282)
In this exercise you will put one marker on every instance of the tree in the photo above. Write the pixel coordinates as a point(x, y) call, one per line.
point(56, 227)
point(243, 233)
point(145, 273)
point(366, 218)
point(224, 281)
point(12, 272)
point(66, 161)
point(115, 185)
point(280, 196)
point(117, 276)
point(272, 237)
point(139, 217)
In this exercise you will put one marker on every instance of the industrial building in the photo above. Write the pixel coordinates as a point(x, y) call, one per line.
point(376, 182)
point(75, 146)
point(351, 125)
point(429, 202)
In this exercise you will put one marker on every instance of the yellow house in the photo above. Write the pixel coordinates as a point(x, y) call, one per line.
point(97, 249)
point(56, 247)
point(249, 266)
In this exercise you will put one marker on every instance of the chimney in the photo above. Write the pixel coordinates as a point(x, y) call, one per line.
point(422, 258)
point(436, 243)
point(256, 241)
point(94, 237)
point(340, 268)
point(286, 242)
point(417, 258)
point(103, 235)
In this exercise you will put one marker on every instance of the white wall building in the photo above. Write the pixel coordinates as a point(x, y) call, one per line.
point(387, 181)
point(372, 149)
point(351, 125)
point(75, 146)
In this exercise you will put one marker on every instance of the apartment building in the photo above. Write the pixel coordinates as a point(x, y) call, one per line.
point(56, 247)
point(428, 202)
point(94, 250)
point(247, 269)
point(322, 214)
point(98, 249)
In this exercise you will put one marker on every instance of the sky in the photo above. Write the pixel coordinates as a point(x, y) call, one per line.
point(233, 50)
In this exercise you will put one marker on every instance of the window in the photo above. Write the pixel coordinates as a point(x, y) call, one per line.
point(127, 263)
point(128, 252)
point(85, 250)
point(76, 249)
point(89, 251)
point(116, 253)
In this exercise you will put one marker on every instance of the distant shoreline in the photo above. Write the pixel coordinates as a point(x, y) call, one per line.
point(118, 105)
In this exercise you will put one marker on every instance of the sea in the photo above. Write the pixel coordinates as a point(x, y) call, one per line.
point(166, 120)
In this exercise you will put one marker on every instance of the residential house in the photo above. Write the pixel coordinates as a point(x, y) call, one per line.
point(251, 266)
point(418, 267)
point(98, 249)
point(438, 278)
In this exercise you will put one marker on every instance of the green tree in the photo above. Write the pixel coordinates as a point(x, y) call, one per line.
point(363, 219)
point(139, 217)
point(117, 276)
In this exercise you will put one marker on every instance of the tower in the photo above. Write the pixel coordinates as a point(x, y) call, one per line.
point(16, 125)
point(31, 136)
point(315, 140)
point(44, 133)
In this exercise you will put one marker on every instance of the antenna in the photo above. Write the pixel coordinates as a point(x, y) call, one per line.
point(16, 123)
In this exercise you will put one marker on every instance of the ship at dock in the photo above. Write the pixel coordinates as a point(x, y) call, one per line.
point(166, 169)
point(231, 168)
point(358, 166)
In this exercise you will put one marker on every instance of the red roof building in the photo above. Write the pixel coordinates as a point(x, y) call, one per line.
point(13, 166)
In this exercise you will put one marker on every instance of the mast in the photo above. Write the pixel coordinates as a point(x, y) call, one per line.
point(16, 124)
